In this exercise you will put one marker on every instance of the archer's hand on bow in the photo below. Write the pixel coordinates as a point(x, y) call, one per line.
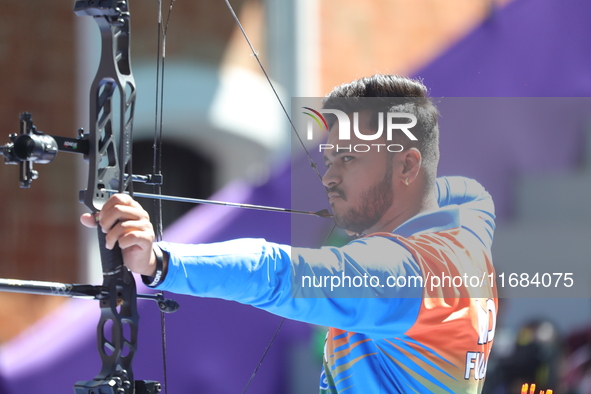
point(125, 221)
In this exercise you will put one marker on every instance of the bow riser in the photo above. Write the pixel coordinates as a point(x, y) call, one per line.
point(109, 162)
point(110, 139)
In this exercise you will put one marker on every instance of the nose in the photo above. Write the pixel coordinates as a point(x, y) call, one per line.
point(331, 178)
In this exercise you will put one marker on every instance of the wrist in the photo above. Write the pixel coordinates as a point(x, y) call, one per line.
point(158, 262)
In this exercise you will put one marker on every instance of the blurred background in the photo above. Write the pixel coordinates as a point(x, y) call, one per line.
point(513, 77)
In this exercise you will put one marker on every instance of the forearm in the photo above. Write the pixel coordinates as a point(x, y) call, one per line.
point(238, 270)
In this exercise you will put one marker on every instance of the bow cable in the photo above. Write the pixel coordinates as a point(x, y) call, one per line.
point(256, 56)
point(310, 160)
point(157, 158)
point(158, 153)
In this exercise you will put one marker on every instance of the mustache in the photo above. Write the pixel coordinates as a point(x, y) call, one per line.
point(338, 191)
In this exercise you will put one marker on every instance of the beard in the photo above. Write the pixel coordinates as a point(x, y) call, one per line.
point(374, 203)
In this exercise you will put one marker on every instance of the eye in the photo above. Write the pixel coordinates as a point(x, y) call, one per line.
point(344, 159)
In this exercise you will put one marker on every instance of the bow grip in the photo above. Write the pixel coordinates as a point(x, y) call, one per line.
point(111, 259)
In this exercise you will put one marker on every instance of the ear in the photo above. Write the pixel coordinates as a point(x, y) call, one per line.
point(412, 160)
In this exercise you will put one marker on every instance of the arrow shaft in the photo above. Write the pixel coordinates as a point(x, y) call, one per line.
point(214, 202)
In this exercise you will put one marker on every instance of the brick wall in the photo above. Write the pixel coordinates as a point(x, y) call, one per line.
point(38, 226)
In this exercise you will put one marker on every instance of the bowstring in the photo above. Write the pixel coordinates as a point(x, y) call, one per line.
point(157, 144)
point(310, 160)
point(157, 158)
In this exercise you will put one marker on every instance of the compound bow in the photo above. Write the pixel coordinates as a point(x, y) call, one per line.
point(107, 148)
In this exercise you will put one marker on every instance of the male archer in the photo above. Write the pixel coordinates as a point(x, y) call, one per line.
point(421, 323)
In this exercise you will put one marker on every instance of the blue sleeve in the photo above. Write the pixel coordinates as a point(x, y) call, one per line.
point(457, 190)
point(301, 283)
point(477, 211)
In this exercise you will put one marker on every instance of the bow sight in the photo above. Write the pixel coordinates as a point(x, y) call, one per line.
point(32, 146)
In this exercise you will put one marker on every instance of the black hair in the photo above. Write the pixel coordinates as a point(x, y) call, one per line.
point(393, 93)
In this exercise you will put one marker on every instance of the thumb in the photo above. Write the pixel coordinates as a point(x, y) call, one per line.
point(88, 219)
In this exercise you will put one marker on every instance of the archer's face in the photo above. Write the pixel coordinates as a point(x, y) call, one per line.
point(359, 184)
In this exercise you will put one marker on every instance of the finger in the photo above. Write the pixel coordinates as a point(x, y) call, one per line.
point(121, 213)
point(143, 227)
point(123, 228)
point(118, 199)
point(135, 240)
point(137, 258)
point(88, 220)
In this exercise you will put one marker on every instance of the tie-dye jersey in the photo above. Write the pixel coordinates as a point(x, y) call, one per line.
point(424, 321)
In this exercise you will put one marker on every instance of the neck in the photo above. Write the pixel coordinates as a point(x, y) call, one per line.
point(417, 203)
